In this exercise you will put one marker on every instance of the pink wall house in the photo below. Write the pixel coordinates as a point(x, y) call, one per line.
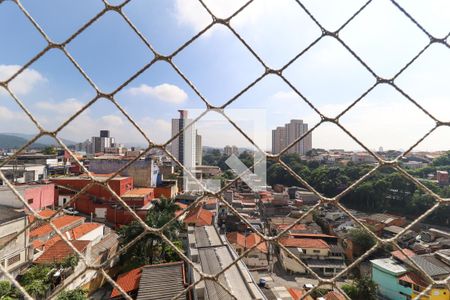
point(40, 196)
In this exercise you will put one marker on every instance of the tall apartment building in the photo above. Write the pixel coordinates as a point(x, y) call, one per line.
point(198, 149)
point(100, 143)
point(284, 136)
point(184, 146)
point(228, 150)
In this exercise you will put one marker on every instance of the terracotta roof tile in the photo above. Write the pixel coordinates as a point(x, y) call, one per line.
point(83, 229)
point(59, 251)
point(45, 213)
point(247, 241)
point(414, 279)
point(297, 294)
point(334, 295)
point(59, 222)
point(138, 192)
point(400, 256)
point(304, 243)
point(199, 217)
point(129, 282)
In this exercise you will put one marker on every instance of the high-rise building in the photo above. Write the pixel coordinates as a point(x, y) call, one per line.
point(198, 149)
point(284, 136)
point(278, 139)
point(228, 150)
point(183, 147)
point(100, 143)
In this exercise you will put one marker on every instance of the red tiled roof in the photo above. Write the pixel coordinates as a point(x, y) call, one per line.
point(59, 251)
point(138, 192)
point(304, 243)
point(128, 282)
point(414, 279)
point(59, 222)
point(334, 295)
point(247, 241)
point(83, 229)
point(400, 256)
point(312, 235)
point(297, 294)
point(181, 205)
point(199, 217)
point(295, 227)
point(45, 213)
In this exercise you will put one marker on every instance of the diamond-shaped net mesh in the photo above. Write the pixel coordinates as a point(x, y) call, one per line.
point(169, 59)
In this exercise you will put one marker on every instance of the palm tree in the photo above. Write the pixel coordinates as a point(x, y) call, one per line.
point(151, 248)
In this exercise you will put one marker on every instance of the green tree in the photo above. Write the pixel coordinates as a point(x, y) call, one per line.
point(36, 280)
point(50, 150)
point(363, 288)
point(7, 290)
point(151, 248)
point(76, 294)
point(362, 238)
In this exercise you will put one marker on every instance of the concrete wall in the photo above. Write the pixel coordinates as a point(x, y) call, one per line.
point(38, 196)
point(388, 285)
point(144, 172)
point(17, 247)
point(290, 264)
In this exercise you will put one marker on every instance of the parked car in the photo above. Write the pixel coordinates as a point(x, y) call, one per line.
point(71, 211)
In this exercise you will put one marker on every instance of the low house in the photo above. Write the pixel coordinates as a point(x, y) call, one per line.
point(199, 216)
point(258, 256)
point(160, 281)
point(315, 253)
point(14, 244)
point(396, 279)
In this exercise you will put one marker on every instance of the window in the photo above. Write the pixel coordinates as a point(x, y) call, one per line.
point(316, 251)
point(14, 259)
point(30, 201)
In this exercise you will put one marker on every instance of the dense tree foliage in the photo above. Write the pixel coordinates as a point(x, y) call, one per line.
point(384, 191)
point(152, 248)
point(363, 288)
point(363, 239)
point(76, 294)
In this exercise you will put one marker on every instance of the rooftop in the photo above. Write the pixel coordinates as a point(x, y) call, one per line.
point(59, 251)
point(431, 265)
point(59, 222)
point(199, 216)
point(400, 256)
point(8, 214)
point(304, 243)
point(137, 192)
point(129, 282)
point(389, 265)
point(247, 241)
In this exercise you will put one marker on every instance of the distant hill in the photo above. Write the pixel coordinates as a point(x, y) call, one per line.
point(11, 141)
point(45, 140)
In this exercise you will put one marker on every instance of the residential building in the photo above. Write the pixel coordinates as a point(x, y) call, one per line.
point(159, 281)
point(199, 216)
point(24, 172)
point(99, 143)
point(317, 254)
point(198, 149)
point(284, 136)
point(279, 139)
point(258, 256)
point(397, 279)
point(99, 201)
point(38, 196)
point(14, 243)
point(442, 177)
point(229, 150)
point(183, 148)
point(145, 172)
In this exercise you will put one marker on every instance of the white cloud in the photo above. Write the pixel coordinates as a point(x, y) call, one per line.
point(112, 120)
point(24, 82)
point(68, 106)
point(164, 92)
point(191, 13)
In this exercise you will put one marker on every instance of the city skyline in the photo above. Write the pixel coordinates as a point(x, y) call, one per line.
point(327, 75)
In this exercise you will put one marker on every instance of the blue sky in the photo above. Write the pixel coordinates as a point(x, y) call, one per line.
point(220, 66)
